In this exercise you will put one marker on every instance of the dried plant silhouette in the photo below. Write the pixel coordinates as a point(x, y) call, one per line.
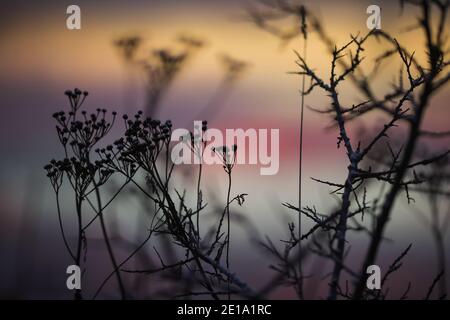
point(194, 240)
point(407, 102)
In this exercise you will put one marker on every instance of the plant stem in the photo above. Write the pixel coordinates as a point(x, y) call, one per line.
point(228, 230)
point(66, 243)
point(300, 160)
point(199, 200)
point(78, 200)
point(107, 242)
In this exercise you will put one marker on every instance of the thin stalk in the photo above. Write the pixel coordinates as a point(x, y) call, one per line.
point(228, 230)
point(78, 200)
point(438, 237)
point(440, 250)
point(66, 243)
point(107, 242)
point(121, 264)
point(300, 161)
point(198, 199)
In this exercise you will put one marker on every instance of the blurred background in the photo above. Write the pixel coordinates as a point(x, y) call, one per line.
point(40, 58)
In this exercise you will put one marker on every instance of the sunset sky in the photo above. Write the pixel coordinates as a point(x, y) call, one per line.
point(40, 59)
